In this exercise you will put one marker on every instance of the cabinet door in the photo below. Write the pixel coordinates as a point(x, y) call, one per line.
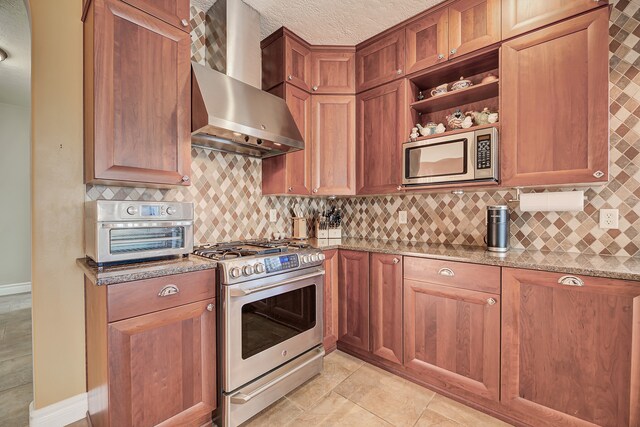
point(291, 173)
point(380, 62)
point(162, 367)
point(386, 307)
point(174, 12)
point(427, 40)
point(330, 300)
point(570, 349)
point(554, 104)
point(381, 129)
point(520, 16)
point(297, 63)
point(333, 72)
point(138, 126)
point(452, 338)
point(473, 24)
point(353, 299)
point(334, 144)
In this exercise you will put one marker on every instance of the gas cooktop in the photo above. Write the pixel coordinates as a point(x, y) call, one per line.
point(238, 249)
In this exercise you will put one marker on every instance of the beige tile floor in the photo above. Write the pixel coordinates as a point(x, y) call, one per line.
point(350, 392)
point(16, 388)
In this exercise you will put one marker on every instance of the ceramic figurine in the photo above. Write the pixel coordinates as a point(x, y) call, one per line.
point(440, 128)
point(432, 127)
point(482, 117)
point(414, 134)
point(454, 120)
point(439, 90)
point(493, 117)
point(490, 78)
point(467, 122)
point(420, 96)
point(461, 84)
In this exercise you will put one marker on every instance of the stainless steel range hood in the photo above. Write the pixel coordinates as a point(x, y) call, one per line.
point(232, 116)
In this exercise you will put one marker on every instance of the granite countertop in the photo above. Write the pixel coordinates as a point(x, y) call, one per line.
point(613, 267)
point(111, 275)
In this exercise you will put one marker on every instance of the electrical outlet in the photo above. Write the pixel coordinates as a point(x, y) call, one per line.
point(609, 218)
point(402, 217)
point(273, 215)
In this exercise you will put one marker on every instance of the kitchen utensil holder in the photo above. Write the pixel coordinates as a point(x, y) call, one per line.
point(299, 228)
point(328, 232)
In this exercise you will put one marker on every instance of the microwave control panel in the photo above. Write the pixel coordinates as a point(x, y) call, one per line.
point(483, 152)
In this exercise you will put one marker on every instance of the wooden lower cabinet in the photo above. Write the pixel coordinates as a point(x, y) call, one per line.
point(452, 338)
point(386, 306)
point(330, 300)
point(570, 349)
point(151, 369)
point(353, 299)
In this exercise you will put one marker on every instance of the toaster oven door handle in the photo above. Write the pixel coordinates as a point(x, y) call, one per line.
point(129, 226)
point(239, 292)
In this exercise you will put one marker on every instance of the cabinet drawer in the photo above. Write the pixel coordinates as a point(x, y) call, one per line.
point(131, 299)
point(484, 278)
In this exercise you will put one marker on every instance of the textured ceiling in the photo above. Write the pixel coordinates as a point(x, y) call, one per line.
point(15, 71)
point(345, 22)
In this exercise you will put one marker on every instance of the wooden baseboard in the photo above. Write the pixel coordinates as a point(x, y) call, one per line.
point(60, 413)
point(15, 288)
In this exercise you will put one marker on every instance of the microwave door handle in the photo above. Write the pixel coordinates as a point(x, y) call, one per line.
point(239, 292)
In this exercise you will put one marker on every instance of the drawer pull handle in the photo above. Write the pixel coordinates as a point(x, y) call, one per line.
point(491, 301)
point(446, 272)
point(570, 281)
point(168, 290)
point(210, 307)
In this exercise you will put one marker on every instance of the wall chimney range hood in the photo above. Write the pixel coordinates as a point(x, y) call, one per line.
point(232, 116)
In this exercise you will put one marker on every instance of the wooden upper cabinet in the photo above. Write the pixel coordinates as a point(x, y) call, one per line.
point(291, 173)
point(174, 12)
point(162, 367)
point(137, 97)
point(331, 312)
point(380, 61)
point(570, 349)
point(473, 24)
point(382, 128)
point(333, 71)
point(353, 298)
point(521, 16)
point(297, 68)
point(386, 306)
point(554, 104)
point(427, 40)
point(333, 144)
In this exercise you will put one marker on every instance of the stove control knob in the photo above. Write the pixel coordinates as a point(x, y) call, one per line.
point(132, 210)
point(315, 258)
point(305, 259)
point(236, 272)
point(322, 257)
point(171, 210)
point(259, 268)
point(247, 270)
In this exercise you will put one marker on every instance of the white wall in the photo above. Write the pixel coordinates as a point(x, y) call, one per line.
point(15, 211)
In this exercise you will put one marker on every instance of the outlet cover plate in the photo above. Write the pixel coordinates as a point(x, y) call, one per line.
point(609, 219)
point(273, 215)
point(402, 217)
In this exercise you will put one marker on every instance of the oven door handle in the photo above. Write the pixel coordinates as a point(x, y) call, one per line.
point(241, 398)
point(239, 292)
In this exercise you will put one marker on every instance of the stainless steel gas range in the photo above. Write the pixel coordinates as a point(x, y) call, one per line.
point(271, 321)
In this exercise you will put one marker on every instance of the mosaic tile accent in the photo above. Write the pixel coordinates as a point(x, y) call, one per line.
point(230, 206)
point(198, 37)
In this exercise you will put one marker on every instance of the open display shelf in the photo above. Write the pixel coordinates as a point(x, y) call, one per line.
point(456, 131)
point(453, 99)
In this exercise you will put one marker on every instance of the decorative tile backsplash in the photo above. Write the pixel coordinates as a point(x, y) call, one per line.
point(226, 188)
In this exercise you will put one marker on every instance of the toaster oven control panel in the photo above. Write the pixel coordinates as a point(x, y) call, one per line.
point(483, 152)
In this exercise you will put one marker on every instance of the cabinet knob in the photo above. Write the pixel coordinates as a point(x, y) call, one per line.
point(314, 88)
point(399, 71)
point(210, 307)
point(289, 77)
point(491, 301)
point(396, 260)
point(168, 290)
point(184, 22)
point(441, 56)
point(570, 281)
point(598, 174)
point(446, 272)
point(185, 178)
point(290, 189)
point(399, 187)
point(453, 51)
point(315, 190)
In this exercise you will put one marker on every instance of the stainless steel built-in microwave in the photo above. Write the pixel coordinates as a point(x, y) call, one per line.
point(462, 157)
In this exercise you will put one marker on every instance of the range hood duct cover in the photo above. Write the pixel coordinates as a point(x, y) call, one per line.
point(232, 116)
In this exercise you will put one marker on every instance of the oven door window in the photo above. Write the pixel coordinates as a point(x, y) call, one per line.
point(127, 240)
point(270, 321)
point(446, 158)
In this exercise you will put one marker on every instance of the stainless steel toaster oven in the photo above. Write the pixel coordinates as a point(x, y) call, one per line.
point(136, 230)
